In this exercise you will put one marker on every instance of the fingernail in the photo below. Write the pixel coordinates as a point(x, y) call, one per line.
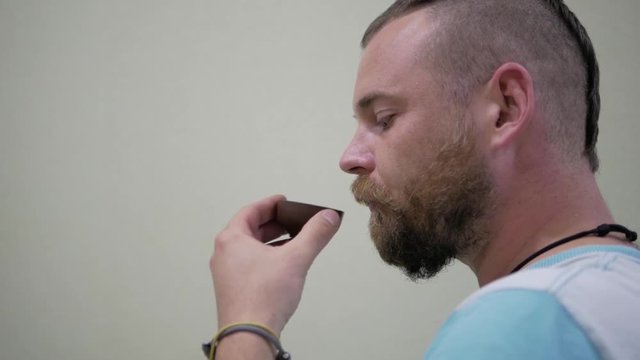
point(331, 216)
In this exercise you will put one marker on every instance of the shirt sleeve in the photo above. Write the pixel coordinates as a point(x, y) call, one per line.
point(512, 324)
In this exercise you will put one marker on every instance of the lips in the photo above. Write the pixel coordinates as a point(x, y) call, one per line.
point(361, 200)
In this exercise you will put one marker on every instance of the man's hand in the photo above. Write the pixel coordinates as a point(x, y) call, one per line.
point(254, 282)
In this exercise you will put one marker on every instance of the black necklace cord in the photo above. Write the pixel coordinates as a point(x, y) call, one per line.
point(601, 231)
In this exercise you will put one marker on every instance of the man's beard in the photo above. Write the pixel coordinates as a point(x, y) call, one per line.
point(442, 216)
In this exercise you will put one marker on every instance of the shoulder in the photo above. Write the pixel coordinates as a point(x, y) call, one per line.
point(512, 324)
point(582, 307)
point(572, 281)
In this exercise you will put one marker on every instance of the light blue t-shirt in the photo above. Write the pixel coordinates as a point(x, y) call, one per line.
point(580, 304)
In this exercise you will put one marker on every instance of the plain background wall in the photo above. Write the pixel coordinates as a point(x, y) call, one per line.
point(132, 130)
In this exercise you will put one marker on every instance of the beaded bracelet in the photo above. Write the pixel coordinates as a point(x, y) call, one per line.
point(258, 329)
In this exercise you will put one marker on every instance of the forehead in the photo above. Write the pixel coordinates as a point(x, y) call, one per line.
point(395, 58)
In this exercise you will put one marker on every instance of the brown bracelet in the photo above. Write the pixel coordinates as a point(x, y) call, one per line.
point(258, 329)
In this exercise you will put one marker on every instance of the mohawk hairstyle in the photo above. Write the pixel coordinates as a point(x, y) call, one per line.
point(545, 36)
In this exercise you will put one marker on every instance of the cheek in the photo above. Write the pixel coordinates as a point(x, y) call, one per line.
point(399, 166)
point(405, 152)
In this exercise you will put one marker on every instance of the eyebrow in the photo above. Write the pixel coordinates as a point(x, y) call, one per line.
point(366, 101)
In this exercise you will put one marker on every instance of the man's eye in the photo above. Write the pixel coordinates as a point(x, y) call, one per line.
point(385, 121)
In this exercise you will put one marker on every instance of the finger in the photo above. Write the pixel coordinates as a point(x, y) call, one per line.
point(251, 217)
point(270, 231)
point(315, 235)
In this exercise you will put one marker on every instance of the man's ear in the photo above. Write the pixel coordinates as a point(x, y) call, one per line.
point(511, 96)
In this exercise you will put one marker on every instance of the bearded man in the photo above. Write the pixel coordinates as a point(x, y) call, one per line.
point(477, 124)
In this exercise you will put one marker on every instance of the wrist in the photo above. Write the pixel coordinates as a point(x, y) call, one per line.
point(244, 345)
point(274, 325)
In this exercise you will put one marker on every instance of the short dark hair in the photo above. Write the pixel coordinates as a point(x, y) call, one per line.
point(545, 36)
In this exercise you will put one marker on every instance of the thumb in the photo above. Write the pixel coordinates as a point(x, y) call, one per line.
point(315, 235)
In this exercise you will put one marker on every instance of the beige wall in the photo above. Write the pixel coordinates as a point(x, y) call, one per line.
point(131, 130)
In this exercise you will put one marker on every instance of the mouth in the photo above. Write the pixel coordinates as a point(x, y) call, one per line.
point(373, 206)
point(365, 202)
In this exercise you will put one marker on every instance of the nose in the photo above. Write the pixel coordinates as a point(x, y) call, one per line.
point(357, 158)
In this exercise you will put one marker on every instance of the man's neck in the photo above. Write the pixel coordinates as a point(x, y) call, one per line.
point(539, 210)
